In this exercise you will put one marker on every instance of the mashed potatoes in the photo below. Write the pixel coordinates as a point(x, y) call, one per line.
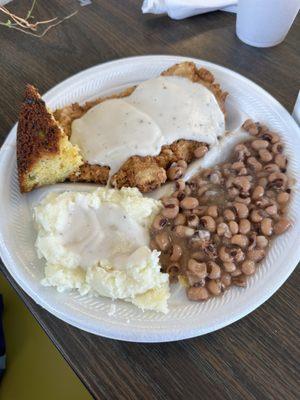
point(98, 243)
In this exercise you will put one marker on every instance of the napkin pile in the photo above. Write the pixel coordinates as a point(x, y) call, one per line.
point(179, 9)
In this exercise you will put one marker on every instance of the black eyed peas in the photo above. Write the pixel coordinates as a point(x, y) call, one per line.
point(182, 164)
point(159, 222)
point(176, 252)
point(266, 226)
point(229, 266)
point(200, 151)
point(229, 215)
point(162, 240)
point(197, 293)
point(278, 176)
point(244, 200)
point(179, 194)
point(271, 210)
point(261, 242)
point(239, 281)
point(263, 182)
point(248, 267)
point(271, 137)
point(259, 144)
point(180, 184)
point(198, 255)
point(242, 151)
point(236, 272)
point(187, 190)
point(254, 164)
point(184, 231)
point(192, 220)
point(232, 192)
point(239, 240)
point(212, 211)
point(233, 226)
point(281, 160)
point(225, 255)
point(244, 226)
point(238, 165)
point(214, 271)
point(175, 172)
point(200, 211)
point(214, 286)
point(269, 168)
point(250, 127)
point(241, 209)
point(225, 280)
point(180, 219)
point(188, 203)
point(242, 183)
point(283, 198)
point(281, 226)
point(224, 230)
point(216, 228)
point(256, 254)
point(257, 216)
point(277, 148)
point(258, 192)
point(208, 223)
point(167, 200)
point(263, 203)
point(202, 190)
point(197, 268)
point(170, 211)
point(238, 254)
point(173, 269)
point(265, 155)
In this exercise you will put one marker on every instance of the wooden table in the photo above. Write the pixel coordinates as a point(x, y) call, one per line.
point(255, 358)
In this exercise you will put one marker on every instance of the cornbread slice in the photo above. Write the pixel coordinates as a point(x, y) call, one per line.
point(44, 153)
point(149, 172)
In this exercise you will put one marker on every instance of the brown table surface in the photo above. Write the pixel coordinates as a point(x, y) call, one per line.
point(258, 356)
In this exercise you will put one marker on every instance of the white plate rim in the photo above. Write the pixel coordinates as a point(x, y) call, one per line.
point(126, 333)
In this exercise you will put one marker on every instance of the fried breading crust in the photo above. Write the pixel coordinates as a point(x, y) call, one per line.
point(145, 173)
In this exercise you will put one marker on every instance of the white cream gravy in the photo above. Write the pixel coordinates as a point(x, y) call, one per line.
point(102, 234)
point(158, 112)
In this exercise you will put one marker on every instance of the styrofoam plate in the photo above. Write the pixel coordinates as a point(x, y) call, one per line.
point(122, 320)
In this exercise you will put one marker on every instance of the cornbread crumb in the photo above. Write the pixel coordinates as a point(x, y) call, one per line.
point(44, 153)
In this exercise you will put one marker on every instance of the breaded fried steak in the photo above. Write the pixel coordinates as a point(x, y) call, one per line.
point(144, 172)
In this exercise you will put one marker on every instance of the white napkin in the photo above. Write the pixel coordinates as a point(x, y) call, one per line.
point(179, 9)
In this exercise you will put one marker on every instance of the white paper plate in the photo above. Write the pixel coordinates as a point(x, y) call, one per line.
point(121, 320)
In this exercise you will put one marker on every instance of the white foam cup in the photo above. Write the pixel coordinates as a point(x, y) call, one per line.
point(265, 23)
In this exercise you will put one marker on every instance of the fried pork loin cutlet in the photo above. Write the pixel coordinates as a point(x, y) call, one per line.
point(44, 152)
point(146, 173)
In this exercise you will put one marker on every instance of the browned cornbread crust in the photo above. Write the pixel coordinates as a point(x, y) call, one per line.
point(146, 173)
point(39, 139)
point(37, 135)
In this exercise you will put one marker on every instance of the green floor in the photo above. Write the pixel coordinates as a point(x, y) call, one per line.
point(35, 369)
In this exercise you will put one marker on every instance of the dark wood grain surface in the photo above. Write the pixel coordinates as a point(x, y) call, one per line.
point(255, 358)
